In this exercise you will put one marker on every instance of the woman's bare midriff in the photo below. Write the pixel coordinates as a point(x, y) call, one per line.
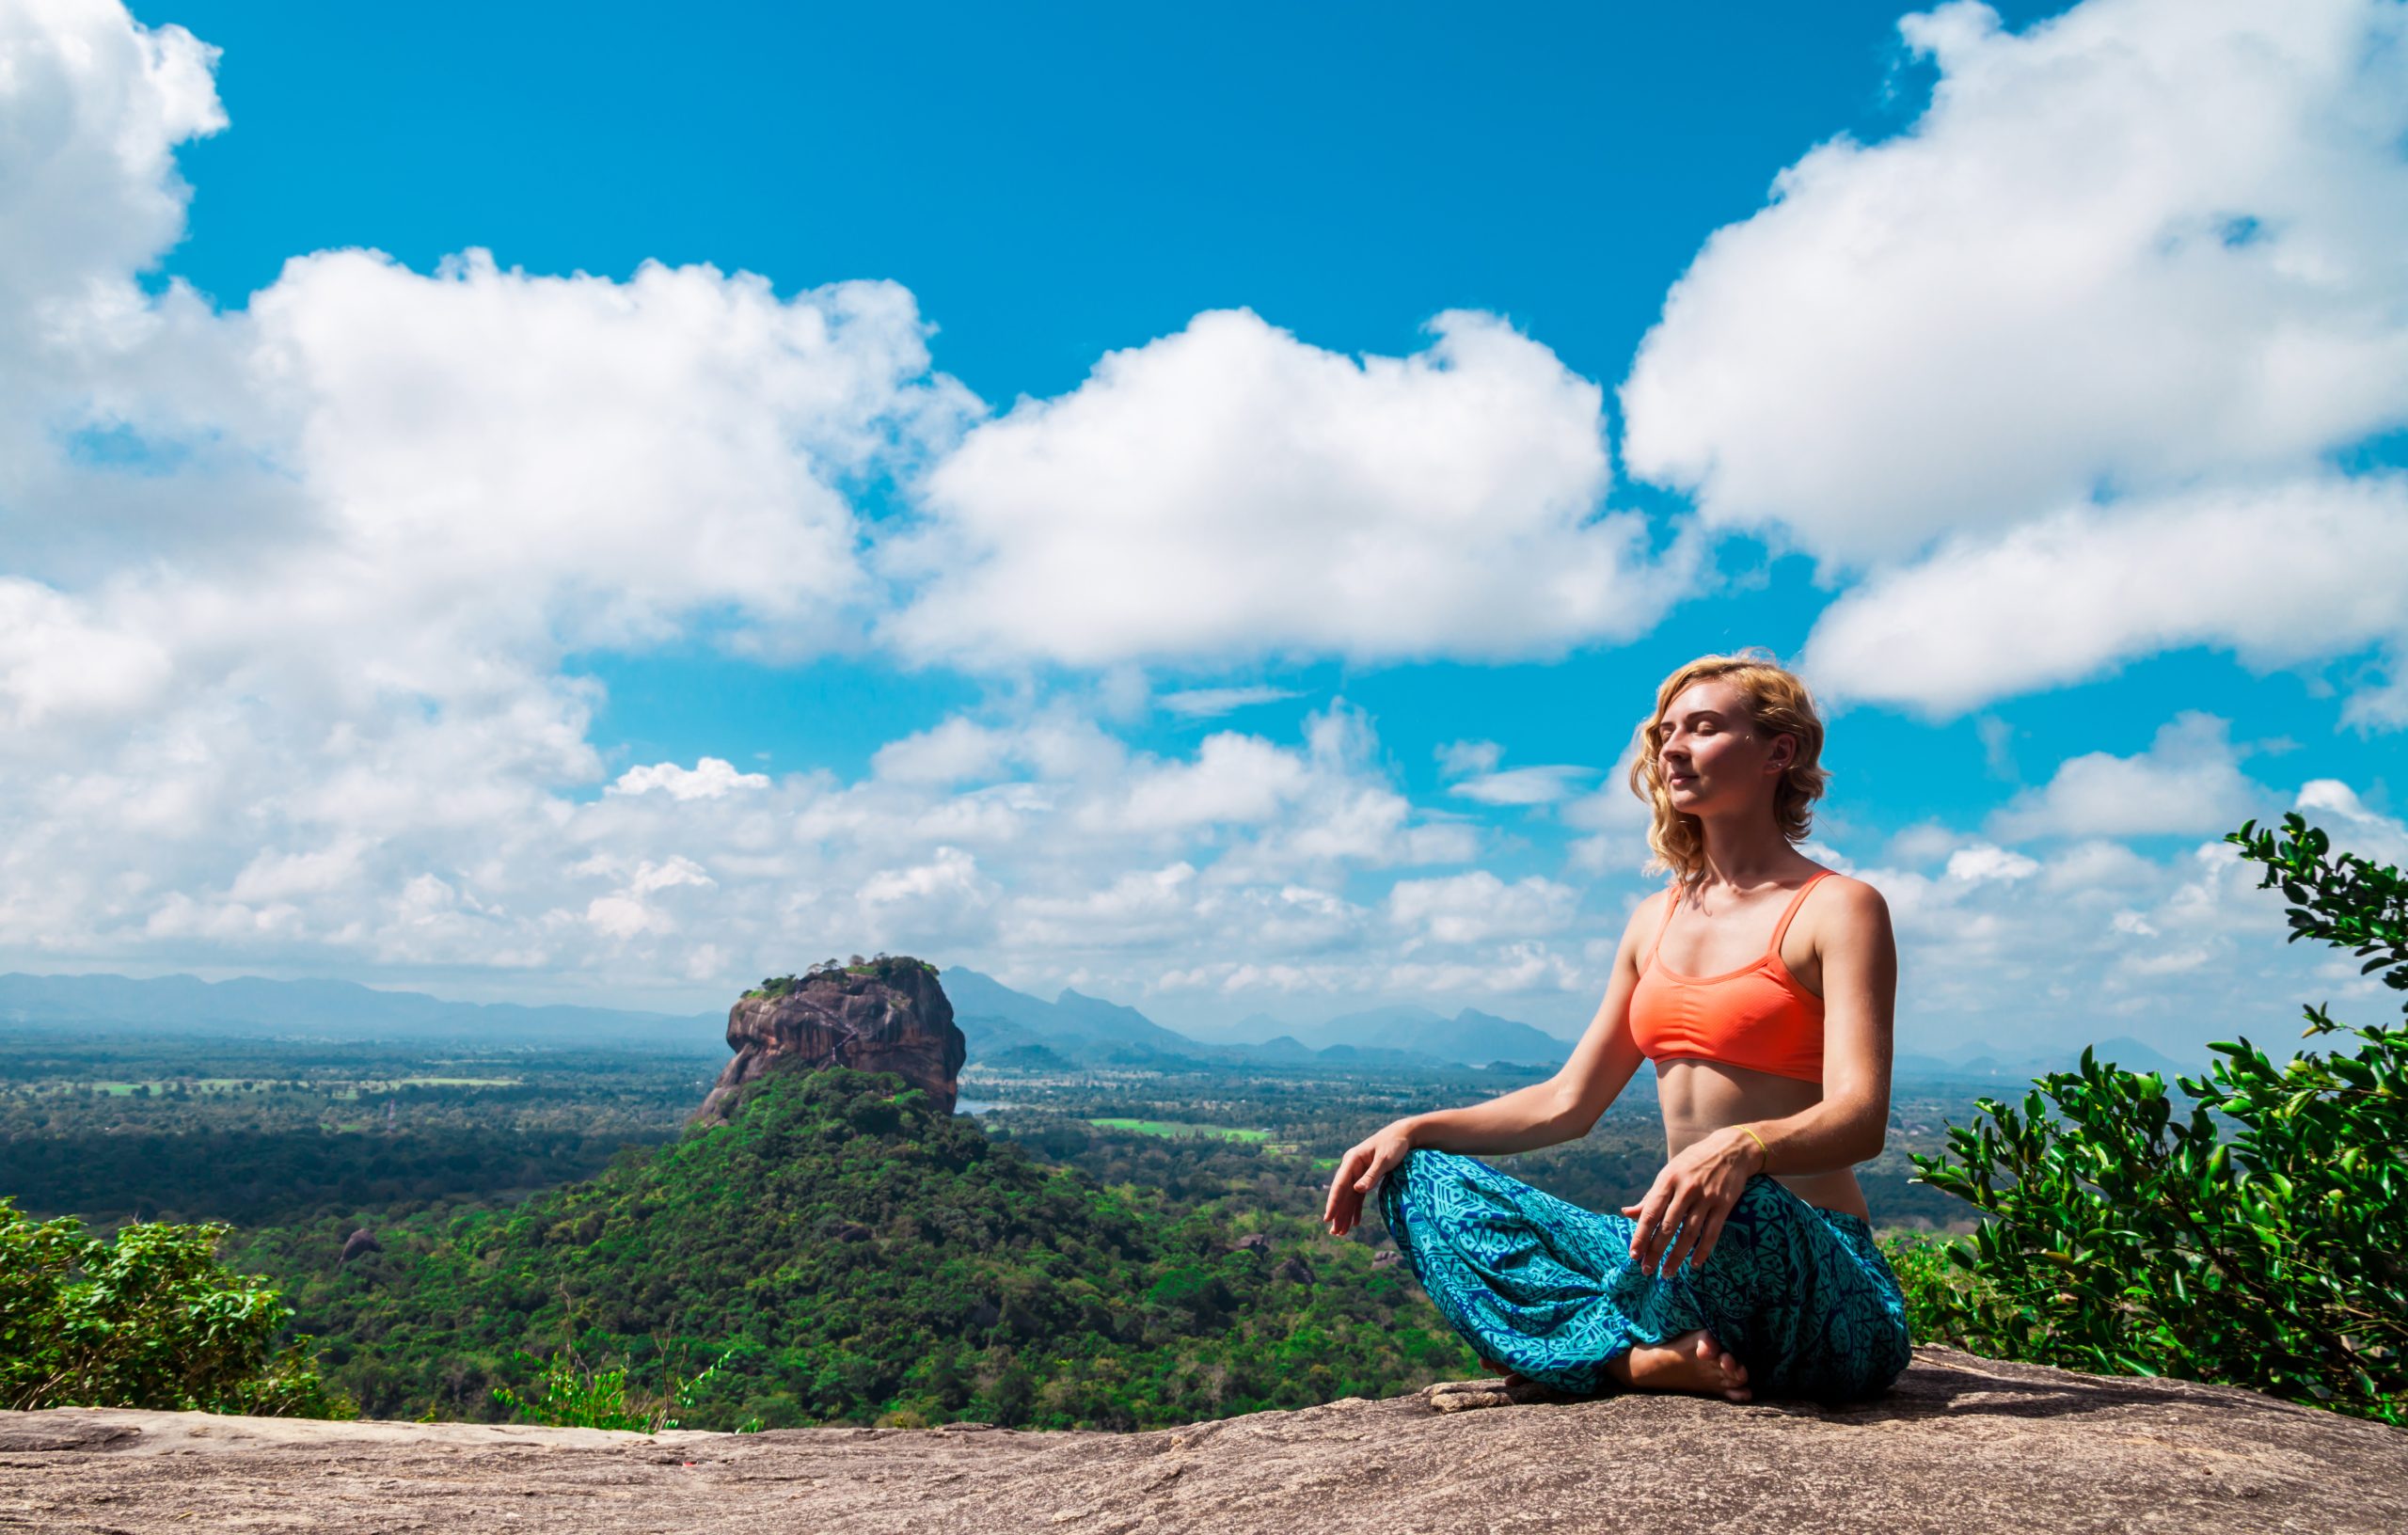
point(1700, 1096)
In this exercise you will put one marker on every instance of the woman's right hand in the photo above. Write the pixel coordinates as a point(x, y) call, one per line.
point(1359, 1172)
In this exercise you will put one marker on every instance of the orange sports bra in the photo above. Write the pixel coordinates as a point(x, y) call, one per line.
point(1756, 1016)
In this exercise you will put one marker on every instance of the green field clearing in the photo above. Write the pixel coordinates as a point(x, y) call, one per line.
point(122, 1089)
point(159, 1088)
point(356, 1091)
point(1166, 1126)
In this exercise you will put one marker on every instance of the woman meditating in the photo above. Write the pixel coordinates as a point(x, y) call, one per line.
point(1761, 984)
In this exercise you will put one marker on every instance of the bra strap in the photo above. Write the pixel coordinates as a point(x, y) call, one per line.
point(1781, 929)
point(1672, 898)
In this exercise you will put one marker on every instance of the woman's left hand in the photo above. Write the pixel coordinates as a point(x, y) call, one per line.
point(1684, 1212)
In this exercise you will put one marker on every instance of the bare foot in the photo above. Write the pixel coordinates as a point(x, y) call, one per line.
point(1513, 1377)
point(1692, 1362)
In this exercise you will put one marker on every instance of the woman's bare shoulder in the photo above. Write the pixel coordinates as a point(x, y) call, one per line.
point(1649, 910)
point(1849, 904)
point(1847, 890)
point(1639, 927)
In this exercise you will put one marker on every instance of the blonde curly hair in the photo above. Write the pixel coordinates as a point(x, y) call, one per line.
point(1779, 704)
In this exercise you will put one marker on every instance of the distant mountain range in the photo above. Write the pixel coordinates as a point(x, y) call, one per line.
point(251, 1006)
point(1470, 1036)
point(1007, 1027)
point(1983, 1063)
point(995, 1016)
point(1004, 1027)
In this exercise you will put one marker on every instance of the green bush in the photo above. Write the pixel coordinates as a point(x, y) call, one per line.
point(577, 1397)
point(886, 967)
point(148, 1320)
point(2122, 1239)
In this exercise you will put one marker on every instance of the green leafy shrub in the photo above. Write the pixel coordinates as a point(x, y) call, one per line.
point(148, 1320)
point(2125, 1239)
point(886, 967)
point(577, 1397)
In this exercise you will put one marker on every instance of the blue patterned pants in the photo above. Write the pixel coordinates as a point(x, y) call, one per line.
point(1801, 1295)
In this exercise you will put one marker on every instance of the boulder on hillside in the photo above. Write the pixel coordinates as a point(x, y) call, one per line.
point(887, 1014)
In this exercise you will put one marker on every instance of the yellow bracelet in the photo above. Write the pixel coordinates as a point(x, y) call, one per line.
point(1760, 1141)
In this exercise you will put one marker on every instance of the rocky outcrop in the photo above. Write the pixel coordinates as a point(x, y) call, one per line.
point(1961, 1445)
point(885, 1015)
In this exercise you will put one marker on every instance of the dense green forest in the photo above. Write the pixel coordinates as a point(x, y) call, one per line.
point(258, 1132)
point(855, 1256)
point(252, 1179)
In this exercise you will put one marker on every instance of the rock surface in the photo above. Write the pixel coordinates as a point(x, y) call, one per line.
point(889, 1016)
point(1961, 1443)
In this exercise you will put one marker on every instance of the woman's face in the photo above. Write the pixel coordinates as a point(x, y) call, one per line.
point(1709, 750)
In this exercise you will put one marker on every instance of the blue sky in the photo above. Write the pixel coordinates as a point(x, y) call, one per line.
point(384, 617)
point(1051, 182)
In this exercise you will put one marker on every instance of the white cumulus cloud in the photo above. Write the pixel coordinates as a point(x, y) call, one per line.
point(2279, 574)
point(1460, 758)
point(1206, 702)
point(2065, 365)
point(1537, 785)
point(2351, 823)
point(99, 105)
point(299, 689)
point(2189, 780)
point(1470, 908)
point(708, 779)
point(1986, 861)
point(1230, 490)
point(2141, 241)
